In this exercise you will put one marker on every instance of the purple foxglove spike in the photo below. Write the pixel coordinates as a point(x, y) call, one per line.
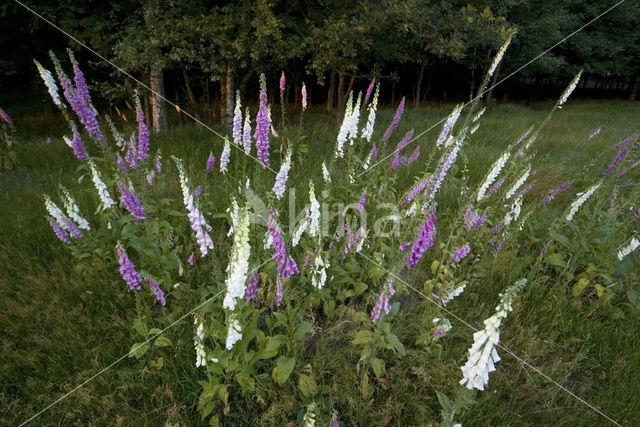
point(361, 203)
point(78, 147)
point(425, 240)
point(414, 192)
point(367, 95)
point(495, 187)
point(128, 271)
point(191, 259)
point(132, 154)
point(252, 289)
point(211, 161)
point(413, 158)
point(396, 120)
point(460, 254)
point(86, 115)
point(593, 135)
point(282, 82)
point(60, 233)
point(279, 293)
point(143, 136)
point(155, 288)
point(263, 124)
point(73, 230)
point(78, 78)
point(131, 202)
point(6, 117)
point(121, 164)
point(397, 161)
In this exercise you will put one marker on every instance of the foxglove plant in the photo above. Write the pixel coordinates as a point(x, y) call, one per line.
point(239, 263)
point(234, 332)
point(632, 246)
point(282, 176)
point(73, 211)
point(128, 270)
point(211, 161)
point(252, 289)
point(396, 120)
point(105, 198)
point(224, 157)
point(325, 173)
point(361, 203)
point(582, 198)
point(425, 240)
point(159, 294)
point(198, 223)
point(518, 183)
point(460, 254)
point(367, 132)
point(237, 122)
point(345, 128)
point(246, 132)
point(51, 85)
point(131, 202)
point(483, 354)
point(60, 232)
point(263, 123)
point(143, 133)
point(304, 97)
point(493, 174)
point(78, 147)
point(448, 125)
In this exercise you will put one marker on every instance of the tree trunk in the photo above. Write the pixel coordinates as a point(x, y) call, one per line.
point(230, 95)
point(332, 84)
point(223, 99)
point(158, 106)
point(192, 99)
point(178, 104)
point(416, 102)
point(635, 88)
point(156, 75)
point(340, 90)
point(351, 81)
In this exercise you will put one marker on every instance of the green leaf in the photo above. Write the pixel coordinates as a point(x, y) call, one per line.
point(284, 367)
point(634, 298)
point(247, 383)
point(276, 341)
point(579, 287)
point(307, 386)
point(395, 342)
point(445, 402)
point(162, 341)
point(138, 349)
point(302, 329)
point(378, 367)
point(265, 354)
point(282, 319)
point(223, 394)
point(363, 337)
point(208, 407)
point(434, 266)
point(154, 331)
point(359, 317)
point(375, 272)
point(140, 327)
point(359, 288)
point(556, 260)
point(365, 387)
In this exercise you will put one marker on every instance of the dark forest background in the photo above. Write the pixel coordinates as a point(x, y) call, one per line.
point(200, 52)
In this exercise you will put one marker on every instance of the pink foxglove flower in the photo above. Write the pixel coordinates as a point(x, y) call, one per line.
point(211, 161)
point(143, 136)
point(224, 157)
point(367, 95)
point(304, 97)
point(190, 260)
point(252, 289)
point(282, 82)
point(361, 203)
point(5, 117)
point(78, 147)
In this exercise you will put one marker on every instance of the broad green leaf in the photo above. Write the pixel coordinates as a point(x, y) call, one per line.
point(556, 260)
point(247, 383)
point(138, 349)
point(434, 266)
point(395, 342)
point(378, 367)
point(276, 341)
point(445, 402)
point(162, 341)
point(265, 354)
point(284, 367)
point(223, 394)
point(634, 298)
point(154, 331)
point(140, 327)
point(303, 329)
point(363, 337)
point(307, 386)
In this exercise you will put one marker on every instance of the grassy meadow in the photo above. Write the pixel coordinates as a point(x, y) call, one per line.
point(63, 322)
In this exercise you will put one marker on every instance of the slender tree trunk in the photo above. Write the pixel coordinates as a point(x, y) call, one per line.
point(223, 99)
point(332, 84)
point(351, 81)
point(158, 106)
point(156, 77)
point(230, 95)
point(635, 88)
point(340, 90)
point(416, 102)
point(192, 99)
